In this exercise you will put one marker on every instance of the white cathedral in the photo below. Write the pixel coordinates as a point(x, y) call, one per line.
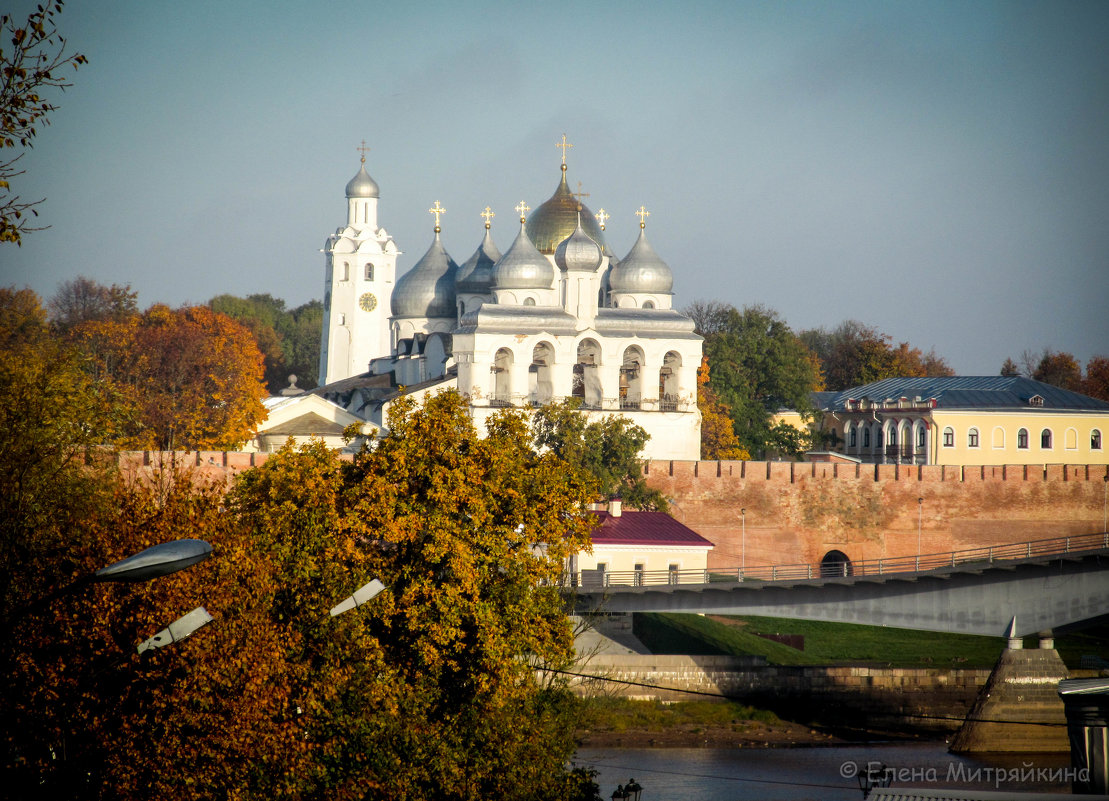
point(556, 316)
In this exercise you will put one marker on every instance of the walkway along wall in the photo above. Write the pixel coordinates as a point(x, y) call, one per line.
point(797, 512)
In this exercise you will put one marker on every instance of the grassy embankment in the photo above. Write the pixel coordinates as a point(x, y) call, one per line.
point(825, 643)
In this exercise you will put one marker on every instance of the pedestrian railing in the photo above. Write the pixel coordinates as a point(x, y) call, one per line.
point(900, 565)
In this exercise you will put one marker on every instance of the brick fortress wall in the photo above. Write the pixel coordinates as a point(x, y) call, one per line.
point(798, 511)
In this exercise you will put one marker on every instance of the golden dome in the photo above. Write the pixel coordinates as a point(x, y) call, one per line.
point(557, 219)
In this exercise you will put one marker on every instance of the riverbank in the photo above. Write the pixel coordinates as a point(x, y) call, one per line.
point(745, 734)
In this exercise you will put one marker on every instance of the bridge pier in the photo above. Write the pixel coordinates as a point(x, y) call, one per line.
point(1019, 708)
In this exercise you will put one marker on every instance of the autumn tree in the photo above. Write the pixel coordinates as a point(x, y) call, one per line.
point(853, 354)
point(1010, 368)
point(83, 300)
point(760, 366)
point(718, 439)
point(289, 339)
point(192, 376)
point(607, 450)
point(33, 61)
point(1059, 369)
point(1096, 382)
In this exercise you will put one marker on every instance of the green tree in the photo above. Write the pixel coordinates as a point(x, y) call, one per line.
point(760, 366)
point(606, 450)
point(32, 61)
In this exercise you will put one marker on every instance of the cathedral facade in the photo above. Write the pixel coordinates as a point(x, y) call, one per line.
point(555, 316)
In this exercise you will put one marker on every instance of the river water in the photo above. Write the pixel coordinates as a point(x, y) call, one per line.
point(824, 773)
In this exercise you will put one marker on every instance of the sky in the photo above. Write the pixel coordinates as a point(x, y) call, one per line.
point(936, 170)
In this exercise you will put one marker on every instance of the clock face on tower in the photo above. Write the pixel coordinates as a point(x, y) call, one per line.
point(368, 302)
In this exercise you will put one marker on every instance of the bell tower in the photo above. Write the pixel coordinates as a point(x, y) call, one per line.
point(360, 265)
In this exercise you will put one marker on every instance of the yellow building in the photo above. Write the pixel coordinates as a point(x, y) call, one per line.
point(965, 420)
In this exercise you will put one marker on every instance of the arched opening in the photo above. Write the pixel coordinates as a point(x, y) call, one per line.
point(502, 378)
point(835, 563)
point(648, 304)
point(631, 378)
point(668, 387)
point(529, 301)
point(540, 383)
point(587, 374)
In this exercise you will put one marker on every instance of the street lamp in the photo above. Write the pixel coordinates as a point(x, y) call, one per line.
point(743, 546)
point(919, 522)
point(155, 561)
point(633, 790)
point(363, 594)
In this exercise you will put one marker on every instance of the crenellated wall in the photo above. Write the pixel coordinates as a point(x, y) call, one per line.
point(798, 511)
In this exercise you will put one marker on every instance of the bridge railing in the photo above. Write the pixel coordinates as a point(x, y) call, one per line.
point(985, 556)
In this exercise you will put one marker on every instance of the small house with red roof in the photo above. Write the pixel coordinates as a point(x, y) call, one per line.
point(638, 548)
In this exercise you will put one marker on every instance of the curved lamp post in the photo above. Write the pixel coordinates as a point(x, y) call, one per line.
point(363, 594)
point(155, 561)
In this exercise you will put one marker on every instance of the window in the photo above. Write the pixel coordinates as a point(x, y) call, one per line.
point(346, 271)
point(529, 301)
point(972, 438)
point(854, 437)
point(866, 437)
point(639, 574)
point(648, 304)
point(892, 437)
point(949, 437)
point(1022, 439)
point(1045, 439)
point(674, 572)
point(921, 437)
point(369, 272)
point(1095, 440)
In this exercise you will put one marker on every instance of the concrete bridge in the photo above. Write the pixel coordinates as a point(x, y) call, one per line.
point(1044, 584)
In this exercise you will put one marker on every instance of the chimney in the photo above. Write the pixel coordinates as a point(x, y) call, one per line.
point(614, 507)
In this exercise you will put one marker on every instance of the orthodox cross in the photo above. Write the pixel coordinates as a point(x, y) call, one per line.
point(437, 210)
point(565, 146)
point(523, 208)
point(579, 195)
point(642, 214)
point(363, 150)
point(488, 214)
point(601, 216)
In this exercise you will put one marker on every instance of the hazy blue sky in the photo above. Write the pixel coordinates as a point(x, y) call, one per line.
point(937, 170)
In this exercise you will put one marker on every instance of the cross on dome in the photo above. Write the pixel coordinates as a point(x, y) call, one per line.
point(523, 208)
point(564, 145)
point(601, 216)
point(363, 150)
point(437, 210)
point(642, 214)
point(579, 195)
point(488, 214)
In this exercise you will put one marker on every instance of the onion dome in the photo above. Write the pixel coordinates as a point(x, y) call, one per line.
point(642, 270)
point(362, 185)
point(577, 252)
point(523, 267)
point(557, 219)
point(476, 275)
point(427, 290)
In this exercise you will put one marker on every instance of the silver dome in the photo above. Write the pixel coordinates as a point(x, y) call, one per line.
point(427, 290)
point(476, 275)
point(362, 185)
point(523, 267)
point(642, 271)
point(578, 252)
